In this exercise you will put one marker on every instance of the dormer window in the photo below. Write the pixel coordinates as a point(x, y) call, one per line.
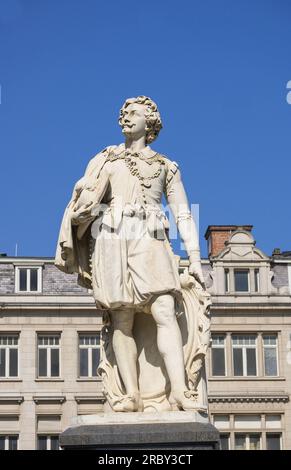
point(241, 280)
point(28, 279)
point(240, 269)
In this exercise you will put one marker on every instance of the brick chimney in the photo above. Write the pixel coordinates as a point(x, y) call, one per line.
point(217, 235)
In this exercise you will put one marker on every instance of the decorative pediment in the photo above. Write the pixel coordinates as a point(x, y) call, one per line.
point(241, 246)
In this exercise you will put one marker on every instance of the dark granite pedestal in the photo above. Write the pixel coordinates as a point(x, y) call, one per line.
point(140, 431)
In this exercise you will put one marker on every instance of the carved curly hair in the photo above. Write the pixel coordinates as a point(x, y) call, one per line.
point(152, 116)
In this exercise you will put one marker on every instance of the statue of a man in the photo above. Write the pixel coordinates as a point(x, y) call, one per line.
point(121, 250)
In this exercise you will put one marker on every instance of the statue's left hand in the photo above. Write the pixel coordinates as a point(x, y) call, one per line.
point(82, 214)
point(195, 270)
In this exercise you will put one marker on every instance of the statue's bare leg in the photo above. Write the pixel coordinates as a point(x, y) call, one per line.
point(126, 356)
point(170, 347)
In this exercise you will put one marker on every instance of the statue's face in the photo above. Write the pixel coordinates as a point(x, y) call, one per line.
point(134, 122)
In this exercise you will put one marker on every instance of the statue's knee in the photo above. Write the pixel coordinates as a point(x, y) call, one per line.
point(166, 317)
point(164, 311)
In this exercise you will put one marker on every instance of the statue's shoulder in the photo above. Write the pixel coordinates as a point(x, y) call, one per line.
point(171, 165)
point(172, 168)
point(101, 158)
point(101, 155)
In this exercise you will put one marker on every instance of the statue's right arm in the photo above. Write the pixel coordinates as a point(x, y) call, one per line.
point(178, 202)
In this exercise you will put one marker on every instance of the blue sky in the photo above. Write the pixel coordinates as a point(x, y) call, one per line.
point(218, 70)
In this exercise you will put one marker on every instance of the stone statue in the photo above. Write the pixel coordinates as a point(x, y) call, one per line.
point(114, 234)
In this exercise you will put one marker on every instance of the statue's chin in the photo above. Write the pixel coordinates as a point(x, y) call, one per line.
point(127, 133)
point(131, 133)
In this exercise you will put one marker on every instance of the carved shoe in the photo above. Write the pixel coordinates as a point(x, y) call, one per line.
point(129, 403)
point(186, 400)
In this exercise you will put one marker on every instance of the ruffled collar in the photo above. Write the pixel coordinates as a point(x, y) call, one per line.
point(146, 152)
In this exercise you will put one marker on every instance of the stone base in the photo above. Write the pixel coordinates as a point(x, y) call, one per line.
point(174, 430)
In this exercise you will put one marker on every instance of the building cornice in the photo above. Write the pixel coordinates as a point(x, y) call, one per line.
point(17, 260)
point(46, 302)
point(249, 398)
point(216, 309)
point(238, 308)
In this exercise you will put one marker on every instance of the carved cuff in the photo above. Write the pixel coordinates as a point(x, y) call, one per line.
point(184, 216)
point(194, 255)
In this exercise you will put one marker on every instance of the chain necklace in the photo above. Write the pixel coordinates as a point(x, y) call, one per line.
point(130, 160)
point(149, 160)
point(145, 181)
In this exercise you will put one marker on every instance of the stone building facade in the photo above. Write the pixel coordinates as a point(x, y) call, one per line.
point(49, 346)
point(249, 363)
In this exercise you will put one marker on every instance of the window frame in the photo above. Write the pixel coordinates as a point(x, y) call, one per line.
point(257, 280)
point(247, 441)
point(244, 353)
point(260, 350)
point(28, 290)
point(277, 353)
point(235, 270)
point(48, 440)
point(89, 349)
point(226, 280)
point(7, 349)
point(48, 349)
point(7, 437)
point(279, 433)
point(219, 347)
point(262, 429)
point(227, 435)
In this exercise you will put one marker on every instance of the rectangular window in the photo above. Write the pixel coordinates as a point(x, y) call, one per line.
point(247, 431)
point(257, 280)
point(8, 356)
point(28, 279)
point(226, 280)
point(218, 355)
point(247, 421)
point(45, 442)
point(221, 421)
point(273, 421)
point(247, 441)
point(241, 280)
point(23, 279)
point(254, 442)
point(244, 355)
point(9, 442)
point(270, 355)
point(224, 441)
point(273, 441)
point(240, 442)
point(49, 356)
point(89, 354)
